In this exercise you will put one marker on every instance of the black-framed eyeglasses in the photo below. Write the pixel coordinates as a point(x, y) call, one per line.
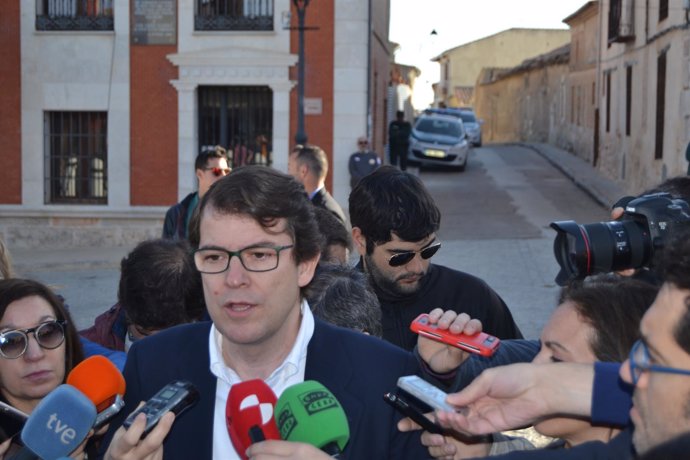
point(402, 258)
point(49, 335)
point(257, 258)
point(218, 171)
point(639, 363)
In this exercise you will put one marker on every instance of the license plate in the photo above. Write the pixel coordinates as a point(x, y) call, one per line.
point(435, 153)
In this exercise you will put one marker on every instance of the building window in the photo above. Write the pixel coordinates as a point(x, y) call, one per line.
point(233, 15)
point(620, 21)
point(628, 99)
point(240, 118)
point(74, 14)
point(663, 10)
point(660, 105)
point(76, 157)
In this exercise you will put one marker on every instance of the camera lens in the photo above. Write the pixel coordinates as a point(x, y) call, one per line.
point(583, 250)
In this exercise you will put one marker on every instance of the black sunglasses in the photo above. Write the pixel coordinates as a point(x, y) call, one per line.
point(402, 258)
point(49, 335)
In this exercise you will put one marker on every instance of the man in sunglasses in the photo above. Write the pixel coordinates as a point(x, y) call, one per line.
point(394, 224)
point(209, 166)
point(657, 372)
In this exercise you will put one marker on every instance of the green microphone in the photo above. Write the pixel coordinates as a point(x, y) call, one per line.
point(308, 412)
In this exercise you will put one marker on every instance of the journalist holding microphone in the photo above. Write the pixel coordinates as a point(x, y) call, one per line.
point(39, 346)
point(257, 247)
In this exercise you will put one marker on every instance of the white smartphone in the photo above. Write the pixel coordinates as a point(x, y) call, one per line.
point(425, 392)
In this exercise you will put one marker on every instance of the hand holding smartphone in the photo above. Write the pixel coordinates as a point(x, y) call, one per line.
point(481, 343)
point(409, 410)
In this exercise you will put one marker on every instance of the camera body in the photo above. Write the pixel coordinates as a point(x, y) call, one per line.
point(634, 241)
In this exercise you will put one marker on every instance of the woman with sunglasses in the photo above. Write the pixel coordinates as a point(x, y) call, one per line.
point(39, 345)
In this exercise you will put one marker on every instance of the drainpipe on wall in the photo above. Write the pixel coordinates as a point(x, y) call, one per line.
point(369, 102)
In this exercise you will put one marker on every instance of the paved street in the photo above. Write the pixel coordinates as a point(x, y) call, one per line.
point(495, 225)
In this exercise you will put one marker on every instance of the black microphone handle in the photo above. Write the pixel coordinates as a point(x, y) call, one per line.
point(332, 449)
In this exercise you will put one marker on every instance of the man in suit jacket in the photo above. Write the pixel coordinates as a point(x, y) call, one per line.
point(258, 247)
point(309, 165)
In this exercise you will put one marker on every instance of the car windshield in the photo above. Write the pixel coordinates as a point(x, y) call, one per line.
point(439, 126)
point(468, 117)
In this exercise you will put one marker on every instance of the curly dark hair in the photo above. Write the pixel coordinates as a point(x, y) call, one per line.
point(392, 201)
point(674, 268)
point(14, 289)
point(614, 306)
point(265, 195)
point(160, 286)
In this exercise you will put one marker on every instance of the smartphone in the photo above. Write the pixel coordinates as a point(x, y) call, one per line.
point(481, 343)
point(176, 397)
point(11, 421)
point(409, 410)
point(109, 412)
point(425, 392)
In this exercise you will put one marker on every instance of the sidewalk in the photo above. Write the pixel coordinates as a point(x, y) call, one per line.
point(603, 190)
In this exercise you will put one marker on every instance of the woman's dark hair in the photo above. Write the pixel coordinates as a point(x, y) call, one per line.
point(15, 289)
point(613, 305)
point(265, 195)
point(160, 286)
point(392, 201)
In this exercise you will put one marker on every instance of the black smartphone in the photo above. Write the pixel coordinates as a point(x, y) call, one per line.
point(411, 411)
point(11, 421)
point(176, 397)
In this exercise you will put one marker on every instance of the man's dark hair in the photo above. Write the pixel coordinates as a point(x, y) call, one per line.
point(341, 295)
point(614, 306)
point(202, 158)
point(675, 269)
point(392, 201)
point(332, 229)
point(265, 195)
point(678, 187)
point(160, 286)
point(314, 157)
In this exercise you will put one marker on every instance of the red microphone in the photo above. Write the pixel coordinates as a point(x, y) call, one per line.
point(249, 414)
point(100, 381)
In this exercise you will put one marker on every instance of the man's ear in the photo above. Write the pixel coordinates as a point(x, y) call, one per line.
point(359, 241)
point(199, 173)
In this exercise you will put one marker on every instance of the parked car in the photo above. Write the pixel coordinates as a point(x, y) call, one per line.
point(472, 125)
point(438, 140)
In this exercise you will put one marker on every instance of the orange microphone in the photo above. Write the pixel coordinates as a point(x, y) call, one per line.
point(100, 381)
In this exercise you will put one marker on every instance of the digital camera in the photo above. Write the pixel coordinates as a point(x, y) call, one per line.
point(634, 241)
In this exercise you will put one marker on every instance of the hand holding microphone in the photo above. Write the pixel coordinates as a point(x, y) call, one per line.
point(58, 425)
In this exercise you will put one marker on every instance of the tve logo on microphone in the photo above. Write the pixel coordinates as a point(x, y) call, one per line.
point(66, 433)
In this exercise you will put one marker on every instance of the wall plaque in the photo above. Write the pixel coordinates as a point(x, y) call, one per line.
point(154, 22)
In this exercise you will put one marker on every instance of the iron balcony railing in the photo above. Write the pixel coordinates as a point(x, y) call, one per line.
point(74, 15)
point(233, 15)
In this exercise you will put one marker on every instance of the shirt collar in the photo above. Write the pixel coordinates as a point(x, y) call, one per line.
point(289, 372)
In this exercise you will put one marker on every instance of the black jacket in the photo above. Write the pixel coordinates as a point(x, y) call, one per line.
point(448, 289)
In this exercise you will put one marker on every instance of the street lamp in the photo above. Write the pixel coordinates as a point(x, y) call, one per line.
point(301, 135)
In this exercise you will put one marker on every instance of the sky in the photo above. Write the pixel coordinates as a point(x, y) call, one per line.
point(457, 22)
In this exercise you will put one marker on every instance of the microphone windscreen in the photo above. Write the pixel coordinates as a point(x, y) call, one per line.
point(59, 423)
point(99, 379)
point(308, 412)
point(250, 406)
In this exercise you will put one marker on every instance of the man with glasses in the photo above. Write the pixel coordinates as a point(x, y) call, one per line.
point(209, 166)
point(258, 246)
point(362, 162)
point(657, 372)
point(394, 224)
